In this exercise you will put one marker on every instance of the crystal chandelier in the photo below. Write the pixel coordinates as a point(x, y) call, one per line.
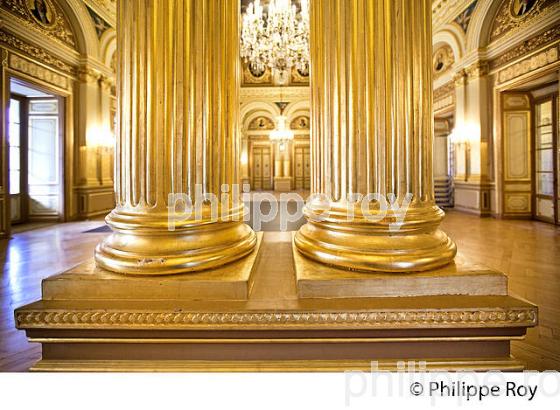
point(277, 38)
point(281, 133)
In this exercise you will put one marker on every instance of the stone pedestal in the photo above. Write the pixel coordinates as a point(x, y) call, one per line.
point(283, 184)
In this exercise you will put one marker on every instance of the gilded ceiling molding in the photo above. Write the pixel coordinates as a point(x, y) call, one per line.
point(106, 9)
point(514, 15)
point(100, 24)
point(42, 15)
point(443, 11)
point(464, 18)
point(250, 78)
point(37, 53)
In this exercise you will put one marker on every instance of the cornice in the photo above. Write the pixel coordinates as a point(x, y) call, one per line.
point(34, 53)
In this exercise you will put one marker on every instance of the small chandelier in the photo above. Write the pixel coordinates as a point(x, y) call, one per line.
point(277, 38)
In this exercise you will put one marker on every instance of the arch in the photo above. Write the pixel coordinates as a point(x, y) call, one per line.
point(478, 35)
point(452, 36)
point(297, 108)
point(254, 109)
point(108, 46)
point(80, 20)
point(250, 117)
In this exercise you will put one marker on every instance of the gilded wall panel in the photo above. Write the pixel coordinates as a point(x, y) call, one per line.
point(517, 146)
point(517, 203)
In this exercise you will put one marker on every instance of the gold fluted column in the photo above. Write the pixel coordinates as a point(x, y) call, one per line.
point(371, 90)
point(178, 133)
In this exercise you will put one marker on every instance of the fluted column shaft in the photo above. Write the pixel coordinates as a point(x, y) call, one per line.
point(178, 85)
point(372, 132)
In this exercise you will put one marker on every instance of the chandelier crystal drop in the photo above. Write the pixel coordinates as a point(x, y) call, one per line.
point(277, 38)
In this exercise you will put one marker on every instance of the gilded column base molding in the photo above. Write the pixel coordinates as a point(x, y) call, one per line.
point(92, 320)
point(360, 244)
point(316, 280)
point(232, 281)
point(144, 245)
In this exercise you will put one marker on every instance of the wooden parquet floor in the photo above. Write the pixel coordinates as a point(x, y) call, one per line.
point(528, 251)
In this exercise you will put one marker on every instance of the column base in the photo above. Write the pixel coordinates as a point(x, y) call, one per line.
point(86, 281)
point(316, 280)
point(356, 243)
point(153, 249)
point(273, 330)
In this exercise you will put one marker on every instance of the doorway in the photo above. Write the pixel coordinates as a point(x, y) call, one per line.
point(545, 150)
point(261, 167)
point(35, 163)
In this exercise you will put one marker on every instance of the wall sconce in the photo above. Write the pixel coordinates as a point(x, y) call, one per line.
point(463, 137)
point(244, 158)
point(100, 137)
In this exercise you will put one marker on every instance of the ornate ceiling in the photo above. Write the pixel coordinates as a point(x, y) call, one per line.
point(107, 9)
point(444, 11)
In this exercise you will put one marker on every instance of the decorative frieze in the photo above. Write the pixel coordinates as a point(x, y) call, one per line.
point(36, 53)
point(444, 91)
point(528, 46)
point(444, 96)
point(409, 318)
point(36, 71)
point(529, 64)
point(444, 11)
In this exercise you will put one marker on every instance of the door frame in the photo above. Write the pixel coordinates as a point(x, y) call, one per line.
point(261, 143)
point(65, 98)
point(24, 169)
point(553, 98)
